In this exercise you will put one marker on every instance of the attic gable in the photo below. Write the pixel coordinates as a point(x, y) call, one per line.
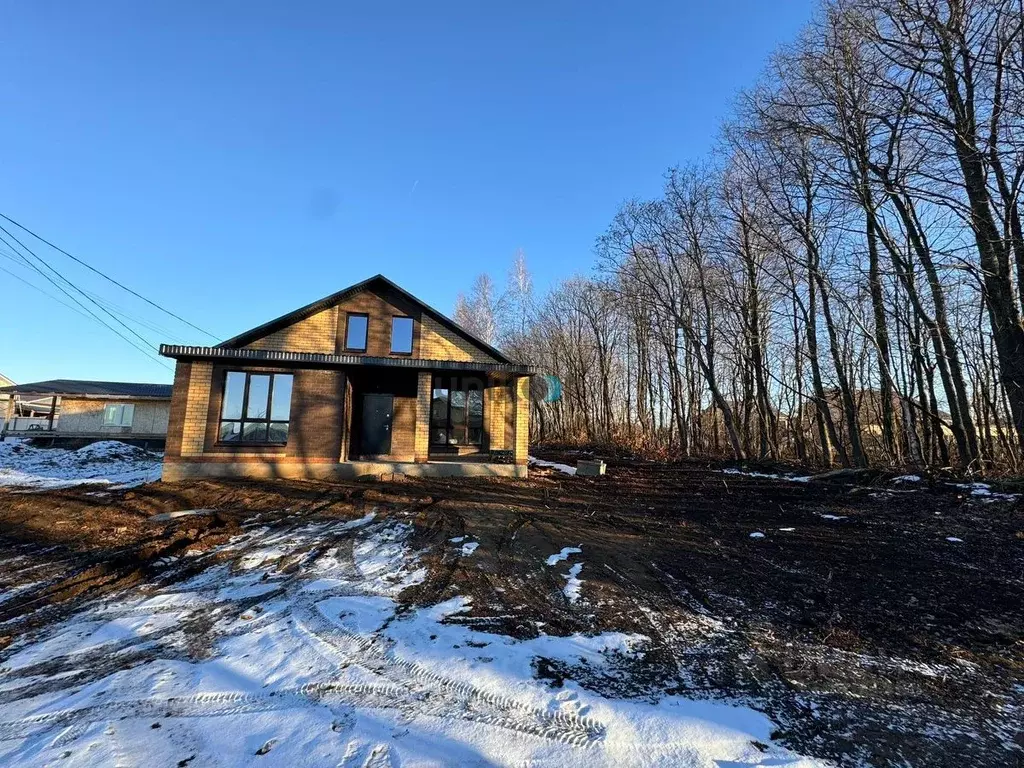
point(319, 327)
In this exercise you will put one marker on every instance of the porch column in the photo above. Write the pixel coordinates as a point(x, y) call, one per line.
point(521, 400)
point(422, 438)
point(53, 412)
point(9, 415)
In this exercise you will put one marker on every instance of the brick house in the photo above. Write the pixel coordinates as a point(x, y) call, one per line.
point(365, 381)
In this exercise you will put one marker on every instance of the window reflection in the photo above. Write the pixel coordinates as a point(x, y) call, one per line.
point(401, 335)
point(456, 411)
point(264, 398)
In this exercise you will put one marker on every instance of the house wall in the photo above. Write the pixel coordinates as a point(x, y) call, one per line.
point(326, 404)
point(85, 416)
point(439, 343)
point(325, 332)
point(315, 420)
point(315, 334)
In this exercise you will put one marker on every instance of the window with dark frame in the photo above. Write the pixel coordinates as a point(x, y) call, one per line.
point(256, 408)
point(456, 411)
point(401, 335)
point(356, 326)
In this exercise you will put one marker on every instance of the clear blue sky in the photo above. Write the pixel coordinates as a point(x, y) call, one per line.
point(234, 161)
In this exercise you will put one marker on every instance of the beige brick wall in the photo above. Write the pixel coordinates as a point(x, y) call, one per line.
point(324, 332)
point(403, 429)
point(494, 417)
point(423, 392)
point(194, 424)
point(438, 343)
point(521, 449)
point(317, 334)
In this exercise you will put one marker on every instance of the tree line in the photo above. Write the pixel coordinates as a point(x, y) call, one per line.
point(841, 282)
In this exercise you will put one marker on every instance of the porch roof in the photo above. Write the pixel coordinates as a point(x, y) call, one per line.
point(312, 359)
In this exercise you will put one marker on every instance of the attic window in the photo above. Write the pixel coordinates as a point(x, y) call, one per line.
point(401, 335)
point(355, 332)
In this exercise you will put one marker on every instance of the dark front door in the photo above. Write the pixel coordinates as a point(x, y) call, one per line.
point(376, 432)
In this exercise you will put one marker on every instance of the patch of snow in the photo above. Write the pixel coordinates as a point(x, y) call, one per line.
point(573, 584)
point(339, 674)
point(907, 479)
point(563, 555)
point(365, 519)
point(457, 540)
point(469, 548)
point(954, 539)
point(757, 535)
point(832, 517)
point(984, 492)
point(787, 530)
point(107, 462)
point(765, 475)
point(166, 517)
point(535, 462)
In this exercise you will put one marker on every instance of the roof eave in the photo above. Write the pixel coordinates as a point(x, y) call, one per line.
point(314, 359)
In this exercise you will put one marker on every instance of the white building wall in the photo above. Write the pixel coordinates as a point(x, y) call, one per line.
point(86, 416)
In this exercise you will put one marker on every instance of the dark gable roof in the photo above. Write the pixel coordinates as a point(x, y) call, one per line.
point(67, 387)
point(318, 306)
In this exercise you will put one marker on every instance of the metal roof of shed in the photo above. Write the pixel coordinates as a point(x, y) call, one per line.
point(78, 387)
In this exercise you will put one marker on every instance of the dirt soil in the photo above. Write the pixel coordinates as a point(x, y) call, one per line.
point(866, 634)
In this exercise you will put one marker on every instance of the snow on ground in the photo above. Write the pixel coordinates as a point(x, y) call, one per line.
point(765, 475)
point(757, 535)
point(108, 462)
point(535, 462)
point(296, 653)
point(563, 555)
point(907, 479)
point(469, 548)
point(573, 583)
point(984, 492)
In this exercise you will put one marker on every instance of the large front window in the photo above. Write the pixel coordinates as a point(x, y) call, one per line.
point(457, 411)
point(256, 408)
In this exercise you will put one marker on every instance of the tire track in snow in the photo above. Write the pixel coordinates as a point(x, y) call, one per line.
point(455, 697)
point(408, 687)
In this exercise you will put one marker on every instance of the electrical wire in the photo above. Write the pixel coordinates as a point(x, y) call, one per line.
point(144, 349)
point(107, 277)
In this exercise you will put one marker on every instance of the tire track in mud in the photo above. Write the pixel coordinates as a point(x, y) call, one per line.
point(407, 686)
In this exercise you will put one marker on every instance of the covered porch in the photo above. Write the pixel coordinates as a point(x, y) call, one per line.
point(347, 416)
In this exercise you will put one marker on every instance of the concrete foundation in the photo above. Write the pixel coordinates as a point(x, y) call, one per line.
point(174, 471)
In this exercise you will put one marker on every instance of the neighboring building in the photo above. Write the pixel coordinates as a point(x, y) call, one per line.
point(68, 409)
point(366, 381)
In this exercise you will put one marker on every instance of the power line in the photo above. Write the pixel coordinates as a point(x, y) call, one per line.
point(112, 306)
point(92, 314)
point(16, 276)
point(107, 277)
point(46, 264)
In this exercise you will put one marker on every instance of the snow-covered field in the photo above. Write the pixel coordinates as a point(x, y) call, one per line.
point(291, 648)
point(108, 462)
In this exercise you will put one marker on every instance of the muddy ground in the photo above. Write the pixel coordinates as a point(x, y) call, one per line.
point(866, 634)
